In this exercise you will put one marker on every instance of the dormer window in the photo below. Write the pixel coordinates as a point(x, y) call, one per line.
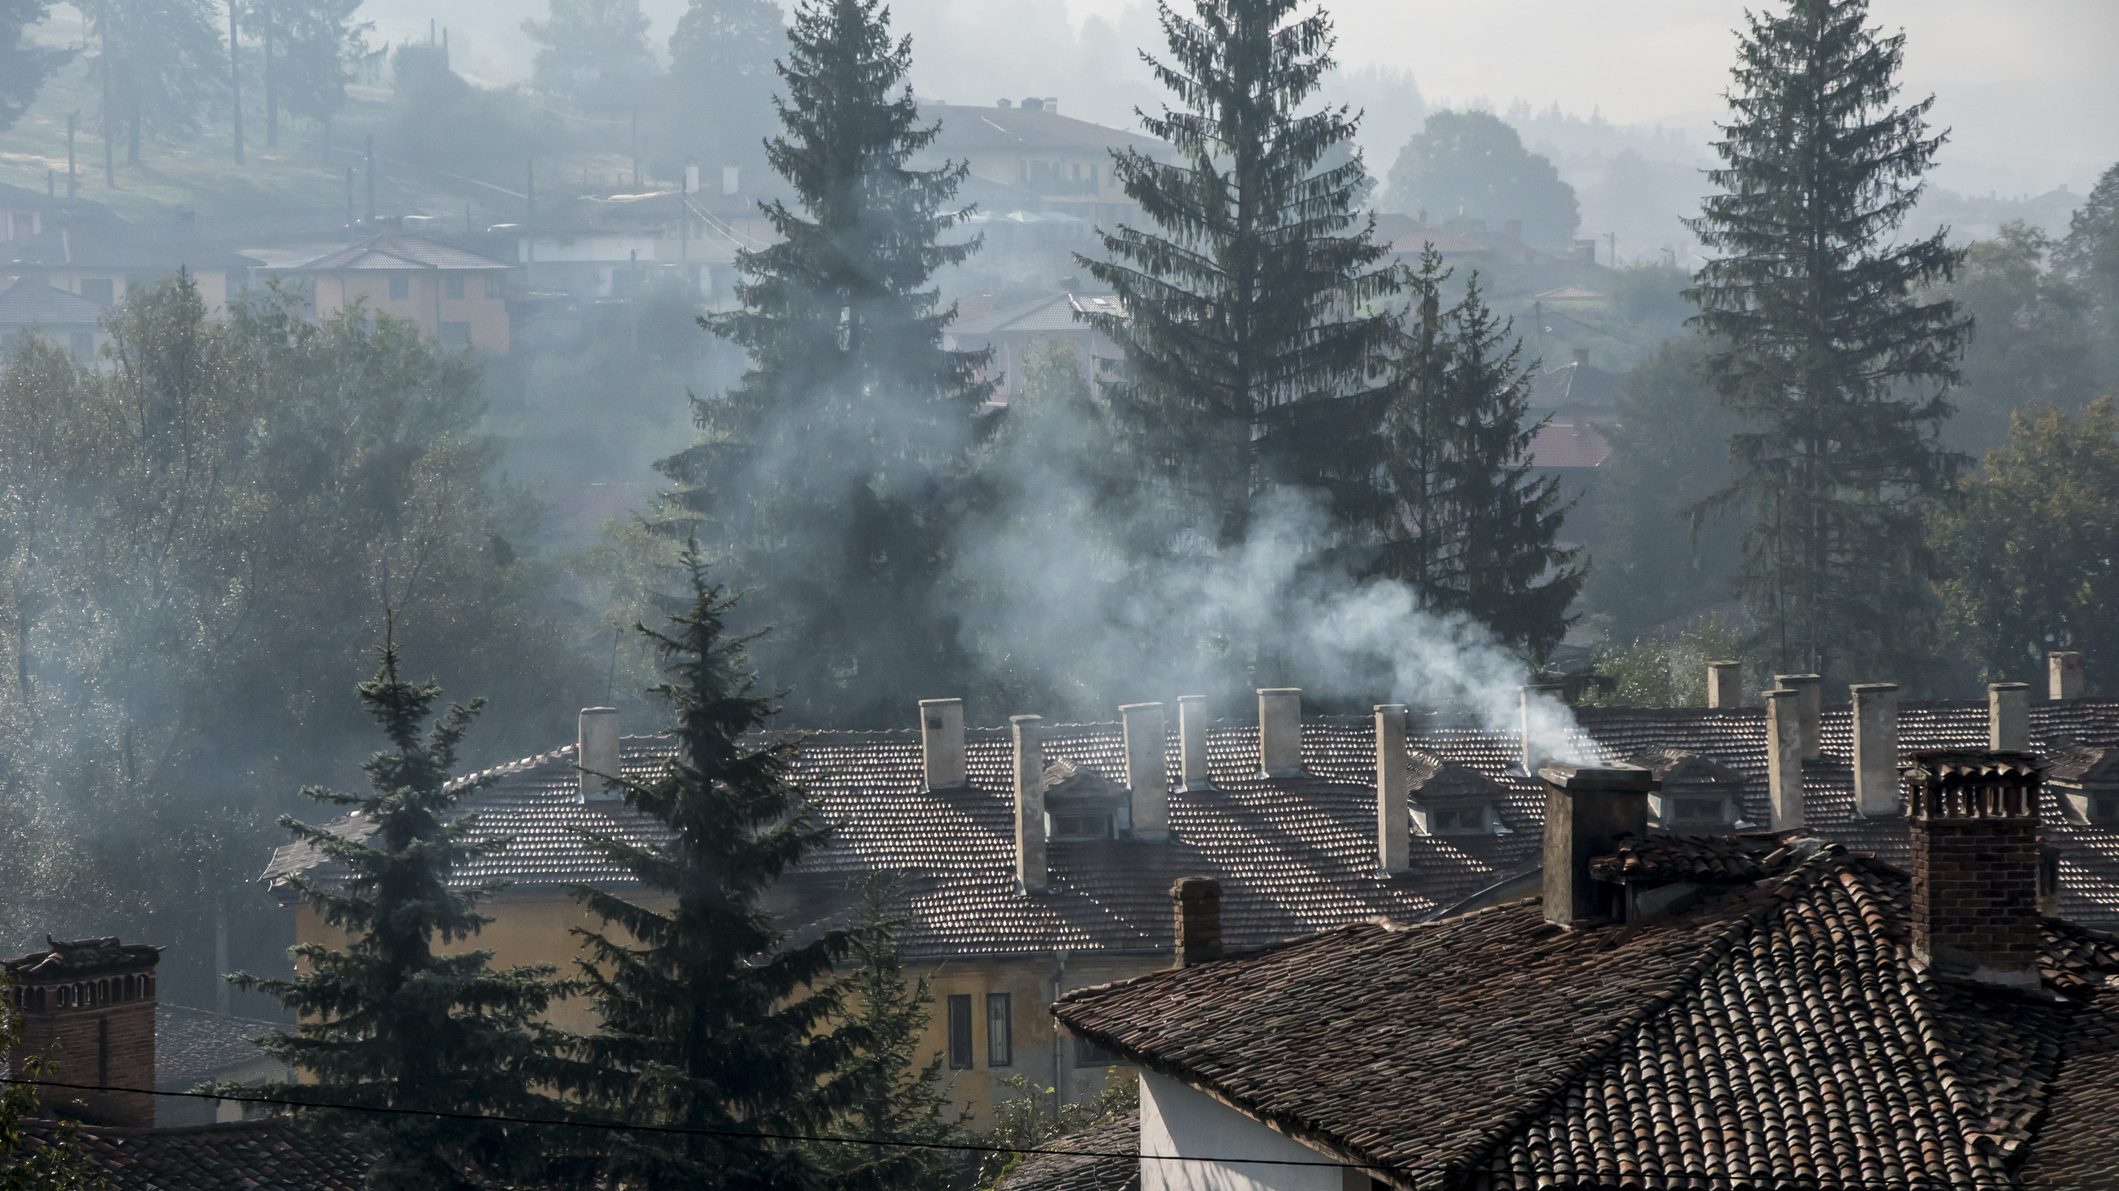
point(1079, 826)
point(2104, 809)
point(1082, 804)
point(1700, 810)
point(2085, 782)
point(1695, 795)
point(1447, 799)
point(1457, 820)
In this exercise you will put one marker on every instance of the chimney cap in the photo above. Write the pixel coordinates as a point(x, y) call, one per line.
point(2008, 686)
point(1872, 686)
point(1620, 778)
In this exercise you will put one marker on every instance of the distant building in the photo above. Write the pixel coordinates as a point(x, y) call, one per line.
point(1030, 157)
point(104, 260)
point(610, 246)
point(458, 297)
point(1012, 328)
point(29, 305)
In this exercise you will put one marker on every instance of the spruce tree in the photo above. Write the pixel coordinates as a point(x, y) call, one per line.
point(1823, 345)
point(825, 477)
point(388, 1018)
point(24, 65)
point(712, 1021)
point(1470, 529)
point(1247, 326)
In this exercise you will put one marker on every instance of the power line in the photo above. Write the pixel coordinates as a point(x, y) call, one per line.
point(1666, 1177)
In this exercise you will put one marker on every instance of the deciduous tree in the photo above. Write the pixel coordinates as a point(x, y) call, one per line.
point(1473, 164)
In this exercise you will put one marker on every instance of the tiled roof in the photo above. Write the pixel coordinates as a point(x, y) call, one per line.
point(966, 127)
point(1053, 314)
point(1293, 855)
point(29, 301)
point(395, 250)
point(1569, 444)
point(193, 1046)
point(1098, 1158)
point(270, 1154)
point(123, 249)
point(1777, 1034)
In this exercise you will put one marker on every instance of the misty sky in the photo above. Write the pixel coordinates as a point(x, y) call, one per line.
point(2029, 86)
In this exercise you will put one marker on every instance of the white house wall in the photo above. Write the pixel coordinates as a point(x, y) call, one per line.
point(1175, 1120)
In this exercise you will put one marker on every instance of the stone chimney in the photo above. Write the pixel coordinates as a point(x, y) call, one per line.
point(2063, 674)
point(596, 752)
point(1875, 747)
point(1586, 811)
point(1809, 689)
point(1394, 825)
point(1147, 769)
point(1028, 732)
point(1725, 684)
point(1973, 819)
point(1192, 742)
point(1784, 757)
point(2009, 717)
point(88, 1007)
point(1198, 904)
point(1280, 731)
point(942, 743)
point(1527, 697)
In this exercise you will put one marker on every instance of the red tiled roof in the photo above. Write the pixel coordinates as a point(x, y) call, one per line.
point(1777, 1034)
point(1570, 444)
point(270, 1154)
point(1102, 1161)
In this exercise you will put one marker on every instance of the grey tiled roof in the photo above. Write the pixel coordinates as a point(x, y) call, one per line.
point(270, 1154)
point(1102, 1157)
point(395, 250)
point(1293, 855)
point(193, 1046)
point(28, 301)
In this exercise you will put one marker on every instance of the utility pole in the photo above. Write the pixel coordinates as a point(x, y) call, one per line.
point(235, 82)
point(371, 180)
point(1613, 238)
point(636, 148)
point(349, 196)
point(72, 183)
point(272, 88)
point(110, 170)
point(529, 222)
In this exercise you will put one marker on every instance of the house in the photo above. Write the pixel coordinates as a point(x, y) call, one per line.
point(103, 261)
point(26, 214)
point(1764, 1010)
point(610, 246)
point(1026, 156)
point(456, 296)
point(1012, 328)
point(29, 305)
point(264, 1154)
point(1035, 858)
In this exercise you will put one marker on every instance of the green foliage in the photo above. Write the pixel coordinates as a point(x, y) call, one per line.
point(194, 544)
point(711, 1019)
point(1652, 295)
point(24, 66)
point(2090, 250)
point(1473, 164)
point(1248, 334)
point(160, 64)
point(592, 54)
point(1668, 670)
point(1471, 530)
point(54, 1161)
point(1837, 369)
point(2031, 336)
point(721, 61)
point(2030, 552)
point(306, 49)
point(825, 476)
point(1025, 1117)
point(388, 1020)
point(438, 118)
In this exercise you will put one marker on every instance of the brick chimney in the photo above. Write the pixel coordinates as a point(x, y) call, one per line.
point(942, 743)
point(1875, 747)
point(1725, 684)
point(1147, 769)
point(1198, 904)
point(88, 1007)
point(596, 752)
point(1973, 820)
point(1028, 732)
point(2063, 674)
point(2009, 716)
point(1280, 731)
point(1586, 811)
point(1394, 779)
point(1192, 742)
point(1528, 697)
point(1809, 708)
point(1784, 757)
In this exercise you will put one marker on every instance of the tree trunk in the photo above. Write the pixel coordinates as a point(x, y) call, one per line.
point(272, 94)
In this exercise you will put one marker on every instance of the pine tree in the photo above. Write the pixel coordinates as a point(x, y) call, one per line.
point(306, 50)
point(891, 1094)
point(388, 1019)
point(1246, 325)
point(825, 476)
point(24, 65)
point(159, 64)
point(711, 1020)
point(1822, 346)
point(1471, 530)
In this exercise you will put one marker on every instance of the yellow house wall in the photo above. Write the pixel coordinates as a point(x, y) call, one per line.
point(426, 303)
point(212, 283)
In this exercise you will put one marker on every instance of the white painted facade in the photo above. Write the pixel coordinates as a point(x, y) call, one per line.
point(1175, 1120)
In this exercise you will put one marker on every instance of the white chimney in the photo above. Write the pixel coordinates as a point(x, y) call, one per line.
point(2009, 717)
point(1192, 742)
point(1784, 757)
point(1147, 769)
point(1280, 731)
point(1875, 747)
point(942, 742)
point(596, 752)
point(1394, 829)
point(2063, 669)
point(1528, 697)
point(1725, 684)
point(1028, 733)
point(1809, 689)
point(731, 179)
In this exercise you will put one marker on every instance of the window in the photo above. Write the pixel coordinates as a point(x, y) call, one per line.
point(1089, 1054)
point(960, 1032)
point(2106, 808)
point(453, 286)
point(400, 286)
point(97, 289)
point(1459, 819)
point(1081, 827)
point(24, 224)
point(1000, 1034)
point(1698, 810)
point(456, 334)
